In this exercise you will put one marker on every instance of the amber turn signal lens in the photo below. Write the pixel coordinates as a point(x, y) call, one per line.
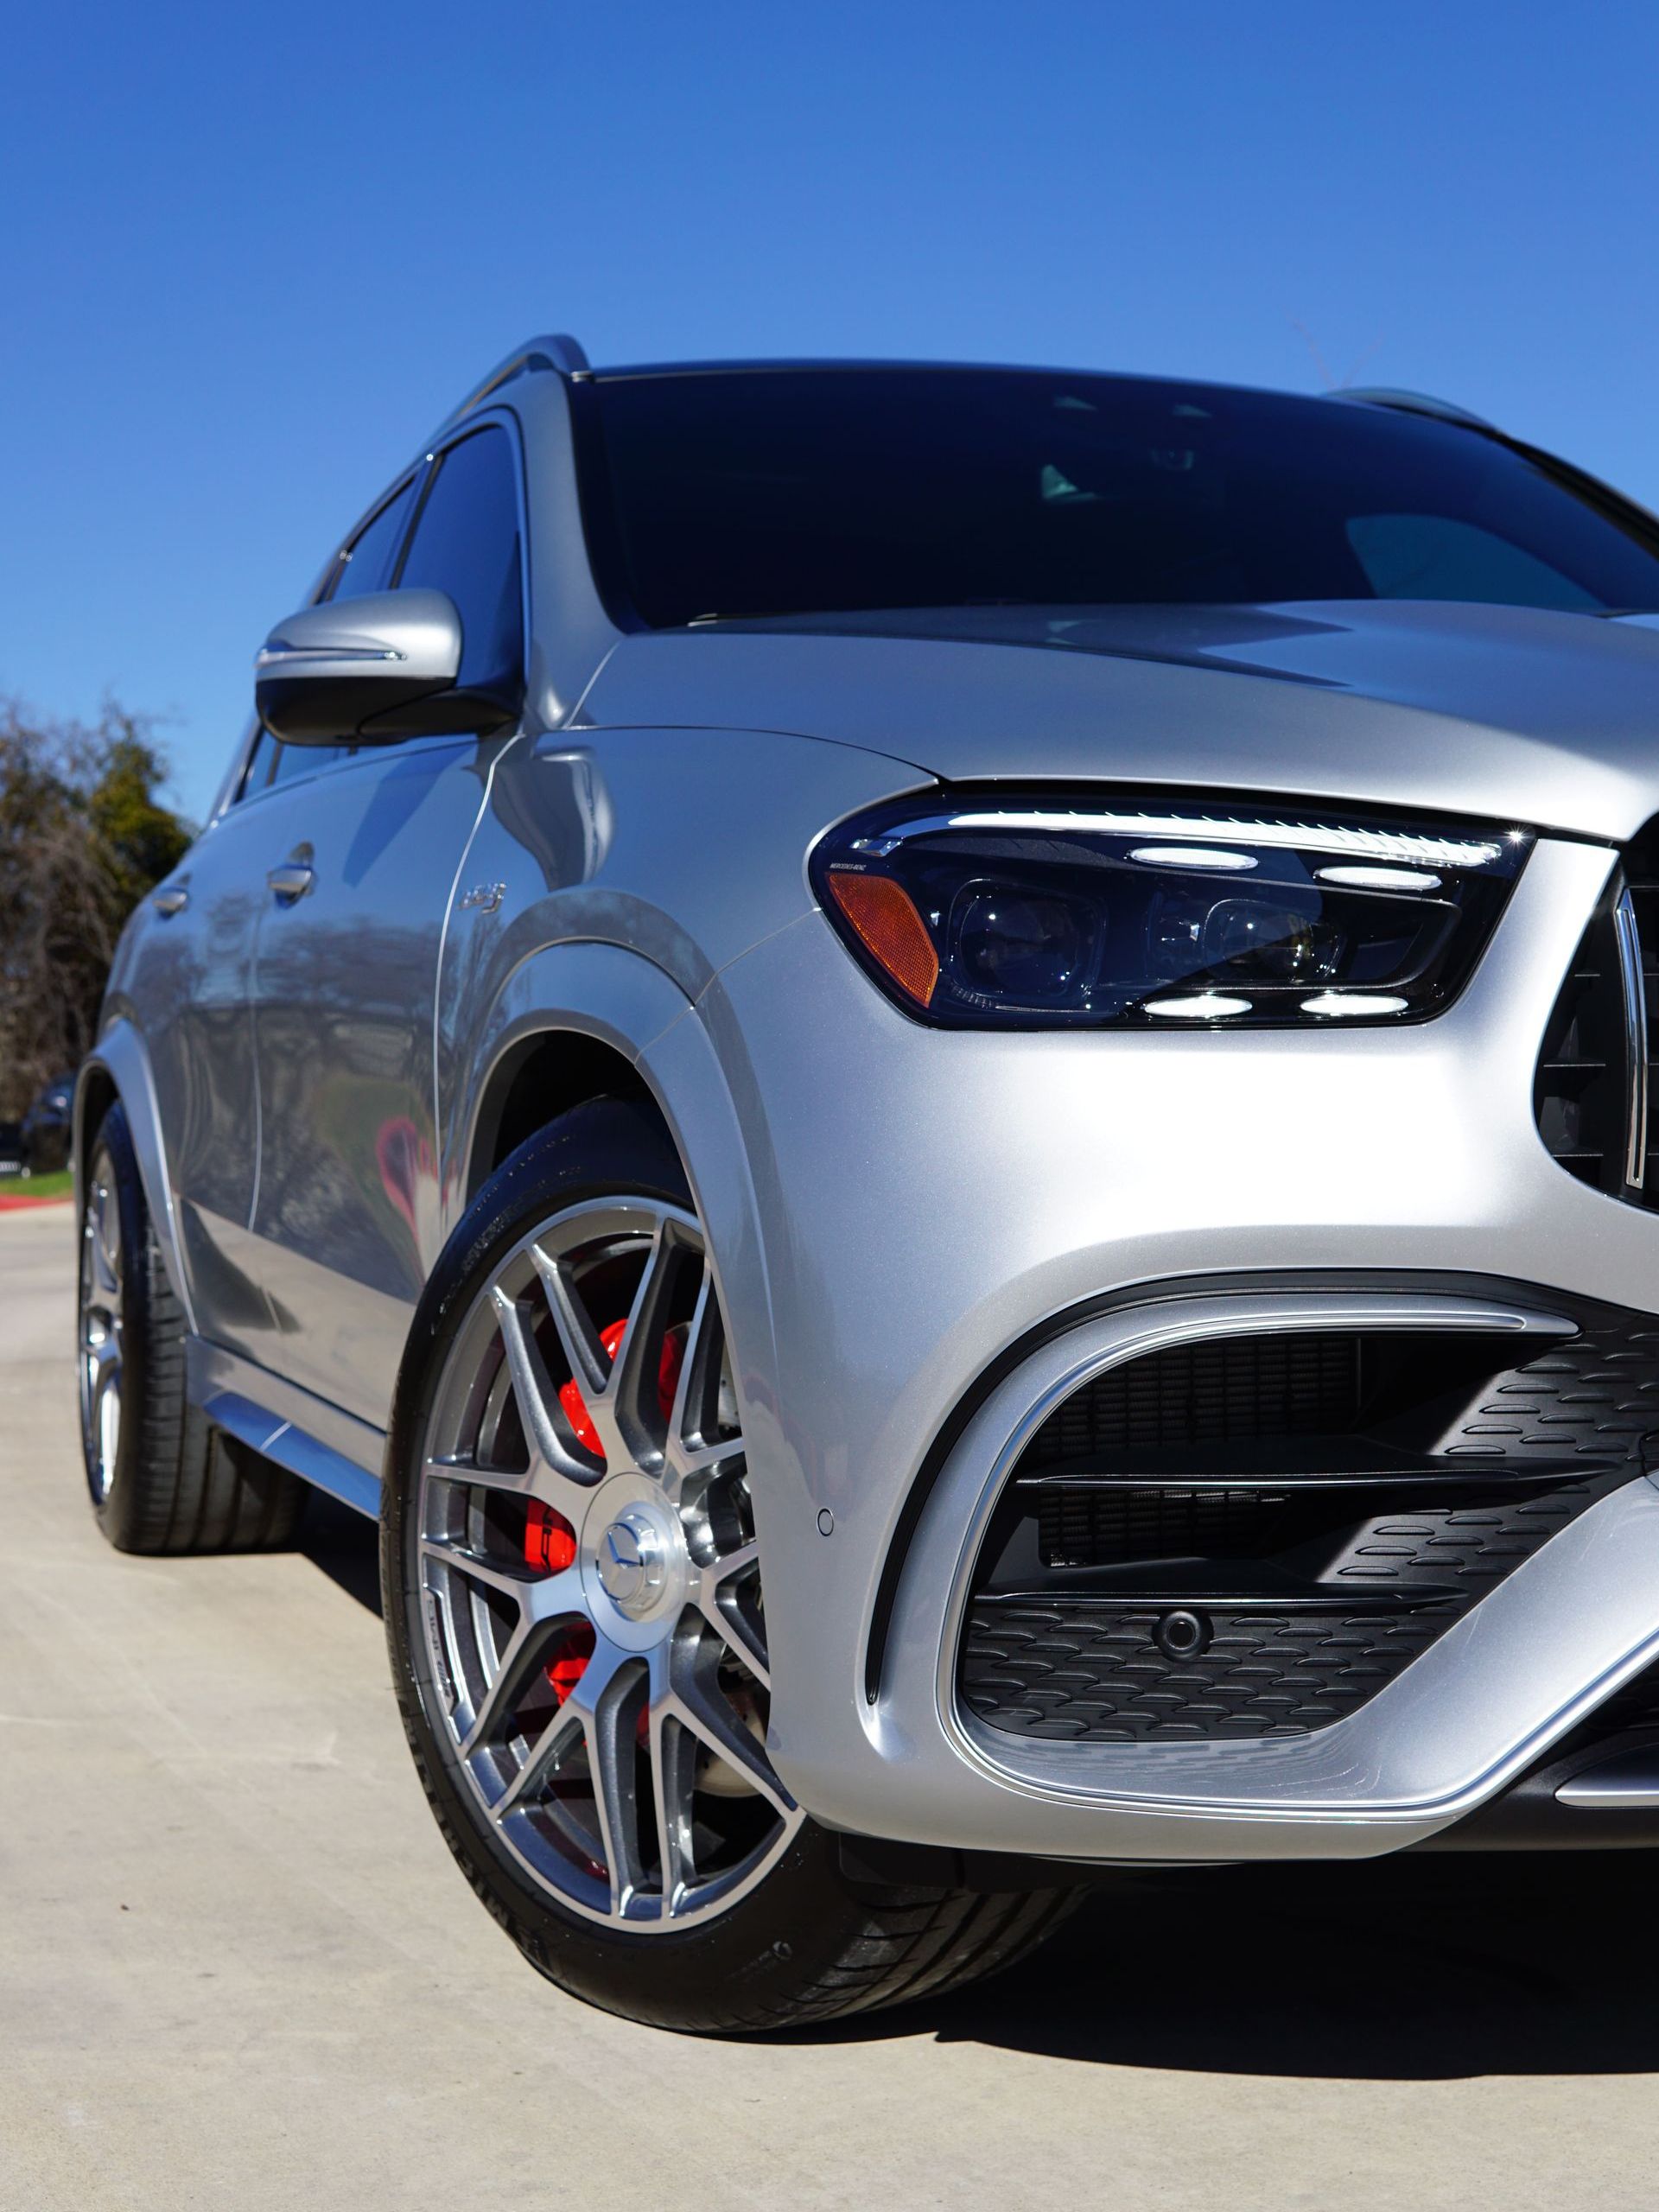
point(890, 927)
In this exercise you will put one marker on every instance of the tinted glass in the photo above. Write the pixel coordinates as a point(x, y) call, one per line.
point(466, 542)
point(787, 492)
point(1434, 557)
point(294, 760)
point(366, 564)
point(257, 774)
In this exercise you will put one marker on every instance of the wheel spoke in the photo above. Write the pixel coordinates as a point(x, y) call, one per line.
point(106, 1258)
point(607, 1710)
point(512, 1583)
point(538, 1480)
point(697, 1700)
point(104, 1356)
point(550, 1434)
point(539, 1601)
point(733, 1563)
point(717, 1603)
point(564, 1728)
point(598, 1712)
point(695, 1417)
point(106, 1377)
point(589, 1361)
point(513, 1671)
point(695, 1464)
point(632, 1410)
point(673, 1780)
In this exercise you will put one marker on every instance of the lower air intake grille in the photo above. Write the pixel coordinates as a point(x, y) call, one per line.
point(1075, 1674)
point(1253, 1535)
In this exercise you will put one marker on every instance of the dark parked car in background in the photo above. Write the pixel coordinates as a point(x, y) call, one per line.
point(13, 1149)
point(46, 1126)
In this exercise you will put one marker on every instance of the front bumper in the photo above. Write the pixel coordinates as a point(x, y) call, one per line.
point(923, 1203)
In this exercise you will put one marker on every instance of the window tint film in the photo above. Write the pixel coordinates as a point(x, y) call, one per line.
point(466, 542)
point(367, 565)
point(755, 492)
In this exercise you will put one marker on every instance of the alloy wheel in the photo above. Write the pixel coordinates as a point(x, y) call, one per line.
point(589, 1578)
point(101, 1361)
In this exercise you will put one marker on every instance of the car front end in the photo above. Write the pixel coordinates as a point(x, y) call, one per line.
point(1205, 1408)
point(1197, 1112)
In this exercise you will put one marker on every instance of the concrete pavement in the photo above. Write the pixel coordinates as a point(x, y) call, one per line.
point(238, 1969)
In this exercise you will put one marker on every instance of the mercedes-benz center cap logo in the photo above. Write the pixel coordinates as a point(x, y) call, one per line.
point(622, 1563)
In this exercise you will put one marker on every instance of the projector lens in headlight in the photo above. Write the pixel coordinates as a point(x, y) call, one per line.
point(1027, 912)
point(1022, 947)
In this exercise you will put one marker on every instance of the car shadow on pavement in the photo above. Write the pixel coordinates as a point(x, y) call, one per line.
point(1425, 1968)
point(345, 1545)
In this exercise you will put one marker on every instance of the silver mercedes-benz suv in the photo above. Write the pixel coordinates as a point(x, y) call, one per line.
point(937, 1079)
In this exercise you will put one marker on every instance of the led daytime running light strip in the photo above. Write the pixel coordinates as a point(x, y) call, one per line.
point(1315, 837)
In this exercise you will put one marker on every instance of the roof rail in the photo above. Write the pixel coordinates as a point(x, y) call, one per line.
point(558, 352)
point(1414, 403)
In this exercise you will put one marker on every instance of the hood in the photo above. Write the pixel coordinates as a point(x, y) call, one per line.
point(1513, 714)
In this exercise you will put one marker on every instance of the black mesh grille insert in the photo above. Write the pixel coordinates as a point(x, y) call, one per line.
point(1100, 1528)
point(1228, 1391)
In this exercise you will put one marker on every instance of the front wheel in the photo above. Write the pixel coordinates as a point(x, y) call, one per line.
point(575, 1607)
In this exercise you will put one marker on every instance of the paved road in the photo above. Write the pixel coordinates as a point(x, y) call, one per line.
point(238, 1969)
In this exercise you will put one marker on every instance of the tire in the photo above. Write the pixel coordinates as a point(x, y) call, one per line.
point(534, 1777)
point(161, 1478)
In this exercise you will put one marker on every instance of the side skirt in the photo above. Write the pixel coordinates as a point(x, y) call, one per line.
point(331, 1450)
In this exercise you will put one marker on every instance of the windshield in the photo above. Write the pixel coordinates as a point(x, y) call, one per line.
point(765, 491)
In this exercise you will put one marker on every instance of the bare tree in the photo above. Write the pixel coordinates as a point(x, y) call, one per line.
point(1329, 382)
point(82, 838)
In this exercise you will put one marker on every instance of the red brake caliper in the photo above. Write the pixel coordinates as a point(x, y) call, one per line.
point(550, 1542)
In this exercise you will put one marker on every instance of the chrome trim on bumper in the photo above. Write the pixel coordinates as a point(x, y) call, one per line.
point(1633, 989)
point(1624, 1784)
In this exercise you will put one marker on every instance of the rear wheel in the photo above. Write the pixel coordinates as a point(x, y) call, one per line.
point(575, 1605)
point(162, 1478)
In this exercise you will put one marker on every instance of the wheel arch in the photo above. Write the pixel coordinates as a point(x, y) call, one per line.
point(543, 1074)
point(570, 1021)
point(117, 1067)
point(587, 1020)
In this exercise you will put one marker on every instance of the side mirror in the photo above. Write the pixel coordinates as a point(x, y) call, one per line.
point(370, 671)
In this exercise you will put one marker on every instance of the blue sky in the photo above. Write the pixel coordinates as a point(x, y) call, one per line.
point(250, 255)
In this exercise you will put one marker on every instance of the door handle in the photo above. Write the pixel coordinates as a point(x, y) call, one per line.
point(173, 900)
point(291, 880)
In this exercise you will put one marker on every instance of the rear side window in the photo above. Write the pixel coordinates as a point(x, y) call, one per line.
point(466, 542)
point(366, 564)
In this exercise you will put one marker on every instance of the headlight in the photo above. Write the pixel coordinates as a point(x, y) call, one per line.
point(1029, 911)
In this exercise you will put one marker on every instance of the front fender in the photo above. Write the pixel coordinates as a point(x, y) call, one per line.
point(621, 999)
